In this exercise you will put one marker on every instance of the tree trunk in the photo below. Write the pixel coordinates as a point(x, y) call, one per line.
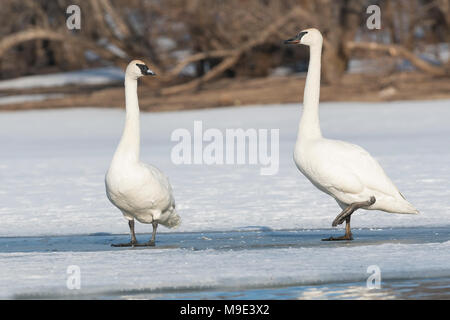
point(343, 22)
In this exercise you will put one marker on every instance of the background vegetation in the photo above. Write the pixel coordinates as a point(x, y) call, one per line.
point(192, 43)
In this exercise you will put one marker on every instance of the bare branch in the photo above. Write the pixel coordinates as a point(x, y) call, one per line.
point(233, 55)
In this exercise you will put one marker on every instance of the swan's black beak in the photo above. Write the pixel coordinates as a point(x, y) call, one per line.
point(292, 41)
point(296, 39)
point(150, 73)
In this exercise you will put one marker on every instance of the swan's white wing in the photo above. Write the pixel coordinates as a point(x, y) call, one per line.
point(156, 187)
point(348, 168)
point(164, 202)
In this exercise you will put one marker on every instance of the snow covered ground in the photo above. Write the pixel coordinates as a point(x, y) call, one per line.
point(21, 98)
point(95, 76)
point(52, 166)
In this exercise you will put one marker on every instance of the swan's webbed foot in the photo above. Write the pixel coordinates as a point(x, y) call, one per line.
point(128, 244)
point(348, 233)
point(145, 244)
point(133, 242)
point(341, 238)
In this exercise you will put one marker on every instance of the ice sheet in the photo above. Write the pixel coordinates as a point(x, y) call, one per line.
point(52, 167)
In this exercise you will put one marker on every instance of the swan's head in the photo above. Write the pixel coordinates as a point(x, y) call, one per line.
point(308, 37)
point(138, 68)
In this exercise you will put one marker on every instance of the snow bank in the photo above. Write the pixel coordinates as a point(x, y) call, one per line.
point(125, 273)
point(83, 77)
point(28, 98)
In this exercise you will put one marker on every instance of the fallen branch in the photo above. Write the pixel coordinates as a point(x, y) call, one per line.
point(398, 51)
point(219, 69)
point(15, 39)
point(194, 58)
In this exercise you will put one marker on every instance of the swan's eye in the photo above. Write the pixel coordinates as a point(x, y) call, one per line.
point(143, 67)
point(301, 34)
point(145, 70)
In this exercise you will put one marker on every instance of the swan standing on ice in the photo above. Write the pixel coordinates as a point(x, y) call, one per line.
point(342, 170)
point(140, 191)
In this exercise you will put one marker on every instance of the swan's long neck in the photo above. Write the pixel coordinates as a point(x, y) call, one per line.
point(129, 145)
point(309, 127)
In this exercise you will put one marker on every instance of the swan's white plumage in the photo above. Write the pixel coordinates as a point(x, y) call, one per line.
point(349, 174)
point(139, 190)
point(343, 170)
point(142, 192)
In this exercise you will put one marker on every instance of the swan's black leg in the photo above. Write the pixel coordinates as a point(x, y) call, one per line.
point(151, 243)
point(133, 241)
point(155, 226)
point(348, 233)
point(345, 216)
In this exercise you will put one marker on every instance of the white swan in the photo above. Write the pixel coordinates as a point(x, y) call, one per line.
point(342, 170)
point(140, 191)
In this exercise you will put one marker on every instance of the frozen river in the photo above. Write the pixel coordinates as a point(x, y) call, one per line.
point(243, 235)
point(255, 264)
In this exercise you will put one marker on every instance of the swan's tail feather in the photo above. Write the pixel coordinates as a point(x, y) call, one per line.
point(410, 209)
point(403, 206)
point(172, 221)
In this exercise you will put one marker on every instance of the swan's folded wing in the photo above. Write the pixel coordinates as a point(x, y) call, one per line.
point(371, 174)
point(154, 188)
point(328, 169)
point(349, 168)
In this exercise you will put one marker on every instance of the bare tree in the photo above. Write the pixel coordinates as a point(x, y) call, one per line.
point(240, 38)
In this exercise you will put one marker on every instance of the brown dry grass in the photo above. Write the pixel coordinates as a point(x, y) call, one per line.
point(235, 92)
